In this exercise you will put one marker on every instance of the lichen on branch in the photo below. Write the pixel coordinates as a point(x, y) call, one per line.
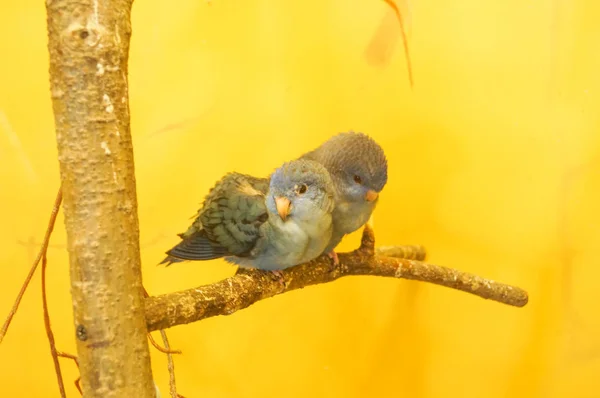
point(249, 286)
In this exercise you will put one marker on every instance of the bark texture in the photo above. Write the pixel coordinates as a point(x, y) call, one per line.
point(88, 42)
point(249, 286)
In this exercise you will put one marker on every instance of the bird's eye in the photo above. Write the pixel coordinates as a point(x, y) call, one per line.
point(301, 189)
point(357, 179)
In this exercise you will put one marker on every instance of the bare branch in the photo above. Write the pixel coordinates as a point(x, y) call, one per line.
point(170, 365)
point(49, 333)
point(33, 268)
point(161, 349)
point(249, 286)
point(166, 350)
point(88, 44)
point(74, 358)
point(396, 9)
point(409, 252)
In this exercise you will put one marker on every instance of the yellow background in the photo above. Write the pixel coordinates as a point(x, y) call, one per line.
point(494, 162)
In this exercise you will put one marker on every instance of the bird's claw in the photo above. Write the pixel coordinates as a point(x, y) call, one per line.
point(334, 257)
point(278, 274)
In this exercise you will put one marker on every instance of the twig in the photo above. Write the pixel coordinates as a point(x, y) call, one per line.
point(33, 268)
point(396, 9)
point(161, 349)
point(74, 358)
point(67, 355)
point(152, 341)
point(167, 350)
point(409, 252)
point(170, 365)
point(53, 352)
point(249, 286)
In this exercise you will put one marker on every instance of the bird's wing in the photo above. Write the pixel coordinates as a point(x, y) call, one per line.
point(228, 222)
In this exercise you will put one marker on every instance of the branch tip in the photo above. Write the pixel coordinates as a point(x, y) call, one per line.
point(409, 252)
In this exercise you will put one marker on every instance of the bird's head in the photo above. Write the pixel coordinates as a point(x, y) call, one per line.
point(298, 188)
point(357, 165)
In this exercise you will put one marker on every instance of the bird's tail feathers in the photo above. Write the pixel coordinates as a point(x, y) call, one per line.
point(196, 247)
point(170, 260)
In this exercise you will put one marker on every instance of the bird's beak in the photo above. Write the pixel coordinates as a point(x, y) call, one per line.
point(371, 195)
point(283, 207)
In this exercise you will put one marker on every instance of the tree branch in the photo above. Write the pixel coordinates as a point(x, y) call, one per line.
point(34, 266)
point(49, 333)
point(249, 286)
point(88, 43)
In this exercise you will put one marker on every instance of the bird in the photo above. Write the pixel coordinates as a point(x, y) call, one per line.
point(358, 168)
point(266, 223)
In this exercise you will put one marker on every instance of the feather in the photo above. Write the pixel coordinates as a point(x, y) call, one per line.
point(195, 247)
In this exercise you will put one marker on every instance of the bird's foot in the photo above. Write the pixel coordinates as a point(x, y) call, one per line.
point(278, 274)
point(334, 257)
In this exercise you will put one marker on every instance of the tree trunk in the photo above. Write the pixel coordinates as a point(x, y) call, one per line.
point(88, 41)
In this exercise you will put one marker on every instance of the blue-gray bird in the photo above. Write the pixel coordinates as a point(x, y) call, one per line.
point(358, 168)
point(270, 224)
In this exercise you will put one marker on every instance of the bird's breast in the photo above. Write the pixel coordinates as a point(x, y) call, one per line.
point(350, 216)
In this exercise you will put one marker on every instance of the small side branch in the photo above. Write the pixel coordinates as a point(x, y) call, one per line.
point(34, 266)
point(249, 286)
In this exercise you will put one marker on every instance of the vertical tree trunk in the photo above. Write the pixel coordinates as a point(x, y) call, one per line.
point(88, 41)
